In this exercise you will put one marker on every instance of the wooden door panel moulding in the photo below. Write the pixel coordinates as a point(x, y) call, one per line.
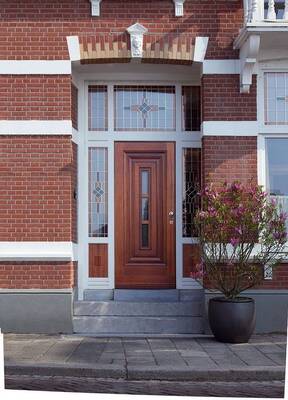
point(98, 260)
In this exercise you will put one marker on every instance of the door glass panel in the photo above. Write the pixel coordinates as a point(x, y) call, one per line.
point(97, 108)
point(145, 235)
point(98, 192)
point(144, 180)
point(190, 187)
point(144, 108)
point(145, 199)
point(145, 209)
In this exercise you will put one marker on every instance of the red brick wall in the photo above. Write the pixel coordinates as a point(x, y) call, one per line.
point(229, 158)
point(280, 278)
point(24, 97)
point(37, 30)
point(222, 100)
point(37, 275)
point(36, 180)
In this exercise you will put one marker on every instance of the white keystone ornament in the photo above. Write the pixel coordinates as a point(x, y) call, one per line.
point(95, 7)
point(136, 33)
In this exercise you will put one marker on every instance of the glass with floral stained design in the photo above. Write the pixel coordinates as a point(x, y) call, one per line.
point(144, 108)
point(98, 192)
point(190, 188)
point(97, 108)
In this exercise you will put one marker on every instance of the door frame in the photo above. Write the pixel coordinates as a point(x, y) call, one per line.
point(86, 139)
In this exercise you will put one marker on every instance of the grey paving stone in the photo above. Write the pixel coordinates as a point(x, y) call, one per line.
point(186, 344)
point(269, 348)
point(201, 362)
point(278, 358)
point(88, 351)
point(60, 351)
point(254, 358)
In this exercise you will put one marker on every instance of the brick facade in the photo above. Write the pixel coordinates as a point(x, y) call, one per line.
point(41, 28)
point(35, 97)
point(37, 179)
point(229, 158)
point(37, 275)
point(222, 100)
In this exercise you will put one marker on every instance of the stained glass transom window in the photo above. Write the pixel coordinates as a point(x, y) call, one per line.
point(191, 186)
point(276, 98)
point(97, 108)
point(98, 192)
point(191, 108)
point(144, 108)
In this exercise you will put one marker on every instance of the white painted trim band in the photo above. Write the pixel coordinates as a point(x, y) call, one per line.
point(42, 251)
point(35, 127)
point(211, 67)
point(35, 67)
point(230, 128)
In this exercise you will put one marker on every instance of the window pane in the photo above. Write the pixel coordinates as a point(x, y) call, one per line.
point(277, 165)
point(98, 192)
point(276, 98)
point(277, 171)
point(144, 108)
point(191, 108)
point(97, 108)
point(191, 186)
point(145, 209)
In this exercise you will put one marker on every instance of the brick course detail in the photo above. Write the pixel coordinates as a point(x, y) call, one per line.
point(38, 30)
point(37, 275)
point(37, 179)
point(228, 159)
point(37, 97)
point(222, 100)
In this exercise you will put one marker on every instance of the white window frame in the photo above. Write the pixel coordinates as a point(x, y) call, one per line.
point(107, 139)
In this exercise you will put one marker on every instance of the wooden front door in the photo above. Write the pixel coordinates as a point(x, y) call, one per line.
point(145, 215)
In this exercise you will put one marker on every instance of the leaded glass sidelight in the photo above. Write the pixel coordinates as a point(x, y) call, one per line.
point(144, 108)
point(191, 186)
point(145, 200)
point(98, 192)
point(191, 108)
point(97, 108)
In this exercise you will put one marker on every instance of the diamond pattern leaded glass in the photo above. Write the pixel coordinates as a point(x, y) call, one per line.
point(98, 192)
point(191, 186)
point(144, 108)
point(191, 108)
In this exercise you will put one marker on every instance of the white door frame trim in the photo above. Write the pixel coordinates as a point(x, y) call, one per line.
point(107, 139)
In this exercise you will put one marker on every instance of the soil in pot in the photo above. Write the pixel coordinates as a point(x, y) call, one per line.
point(232, 321)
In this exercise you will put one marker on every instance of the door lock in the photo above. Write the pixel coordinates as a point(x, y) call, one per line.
point(171, 217)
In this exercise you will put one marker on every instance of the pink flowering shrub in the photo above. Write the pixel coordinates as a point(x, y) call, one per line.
point(240, 231)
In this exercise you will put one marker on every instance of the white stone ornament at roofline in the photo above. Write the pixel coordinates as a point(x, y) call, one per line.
point(95, 7)
point(136, 32)
point(248, 58)
point(179, 8)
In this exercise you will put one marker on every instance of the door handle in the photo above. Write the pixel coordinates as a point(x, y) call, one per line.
point(171, 217)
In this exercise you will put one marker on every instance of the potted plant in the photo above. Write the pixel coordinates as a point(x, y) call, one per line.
point(241, 232)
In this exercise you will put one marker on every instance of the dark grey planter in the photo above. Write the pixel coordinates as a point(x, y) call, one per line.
point(232, 321)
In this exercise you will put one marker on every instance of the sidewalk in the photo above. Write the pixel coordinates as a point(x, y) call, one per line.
point(200, 359)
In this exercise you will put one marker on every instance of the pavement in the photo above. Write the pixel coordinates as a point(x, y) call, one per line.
point(134, 365)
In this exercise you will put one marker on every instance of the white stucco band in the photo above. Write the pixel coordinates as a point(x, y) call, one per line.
point(38, 251)
point(35, 127)
point(230, 128)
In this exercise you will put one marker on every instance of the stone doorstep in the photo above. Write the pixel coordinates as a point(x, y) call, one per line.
point(244, 374)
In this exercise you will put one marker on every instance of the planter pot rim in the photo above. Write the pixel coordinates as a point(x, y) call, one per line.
point(240, 299)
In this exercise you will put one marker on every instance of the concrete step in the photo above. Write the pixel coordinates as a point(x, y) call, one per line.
point(145, 325)
point(118, 308)
point(146, 295)
point(143, 295)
